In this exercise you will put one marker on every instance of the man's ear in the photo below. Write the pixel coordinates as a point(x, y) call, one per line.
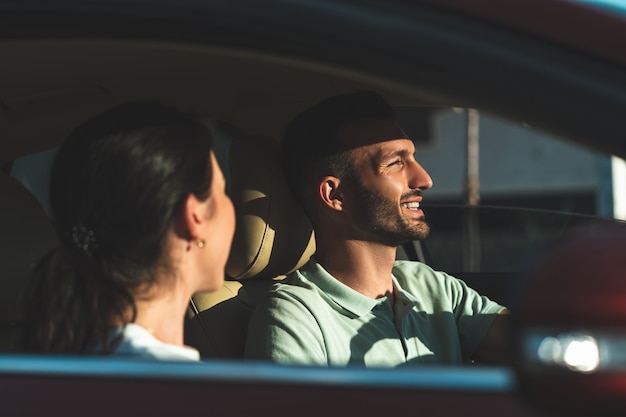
point(330, 193)
point(193, 215)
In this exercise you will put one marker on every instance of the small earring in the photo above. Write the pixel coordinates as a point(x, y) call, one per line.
point(200, 243)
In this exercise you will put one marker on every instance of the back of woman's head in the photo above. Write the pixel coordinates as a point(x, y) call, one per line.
point(116, 185)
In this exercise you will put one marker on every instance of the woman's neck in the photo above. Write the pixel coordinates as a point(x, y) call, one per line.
point(162, 313)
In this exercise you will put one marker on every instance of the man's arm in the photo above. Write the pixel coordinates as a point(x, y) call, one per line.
point(496, 347)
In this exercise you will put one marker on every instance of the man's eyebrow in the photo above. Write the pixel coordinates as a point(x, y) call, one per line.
point(394, 153)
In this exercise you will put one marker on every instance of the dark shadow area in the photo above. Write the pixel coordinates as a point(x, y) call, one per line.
point(220, 331)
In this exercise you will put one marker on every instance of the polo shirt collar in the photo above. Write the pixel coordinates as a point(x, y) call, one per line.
point(350, 300)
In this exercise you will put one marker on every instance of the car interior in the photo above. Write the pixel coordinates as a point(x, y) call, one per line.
point(245, 99)
point(246, 68)
point(49, 87)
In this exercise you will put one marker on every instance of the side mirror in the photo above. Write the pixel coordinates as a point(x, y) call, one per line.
point(570, 327)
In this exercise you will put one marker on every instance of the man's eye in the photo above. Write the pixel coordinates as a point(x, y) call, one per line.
point(396, 162)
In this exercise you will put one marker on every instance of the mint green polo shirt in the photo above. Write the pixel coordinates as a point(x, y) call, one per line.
point(312, 318)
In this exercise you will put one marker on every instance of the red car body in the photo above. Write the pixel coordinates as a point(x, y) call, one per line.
point(560, 65)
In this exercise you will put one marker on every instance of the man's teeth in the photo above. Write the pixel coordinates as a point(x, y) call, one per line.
point(411, 206)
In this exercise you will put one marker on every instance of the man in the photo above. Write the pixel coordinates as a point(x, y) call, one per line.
point(354, 172)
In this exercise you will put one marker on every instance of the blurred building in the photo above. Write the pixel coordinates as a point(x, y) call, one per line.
point(519, 166)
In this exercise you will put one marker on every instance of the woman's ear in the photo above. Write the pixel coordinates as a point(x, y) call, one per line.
point(330, 194)
point(193, 216)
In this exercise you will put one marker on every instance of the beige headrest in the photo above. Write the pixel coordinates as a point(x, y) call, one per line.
point(273, 236)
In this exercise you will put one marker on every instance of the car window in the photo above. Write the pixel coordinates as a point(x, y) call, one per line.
point(516, 165)
point(531, 189)
point(33, 171)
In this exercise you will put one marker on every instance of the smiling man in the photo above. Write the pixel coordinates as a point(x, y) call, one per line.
point(354, 172)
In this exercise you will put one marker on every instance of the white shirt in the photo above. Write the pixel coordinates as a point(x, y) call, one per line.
point(139, 342)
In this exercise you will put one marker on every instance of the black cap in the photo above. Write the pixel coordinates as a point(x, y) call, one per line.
point(313, 133)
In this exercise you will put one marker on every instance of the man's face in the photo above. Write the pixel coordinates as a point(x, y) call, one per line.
point(384, 198)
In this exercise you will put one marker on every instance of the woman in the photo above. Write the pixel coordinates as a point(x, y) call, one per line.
point(139, 203)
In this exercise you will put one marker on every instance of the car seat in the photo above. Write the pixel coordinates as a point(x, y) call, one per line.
point(26, 234)
point(273, 237)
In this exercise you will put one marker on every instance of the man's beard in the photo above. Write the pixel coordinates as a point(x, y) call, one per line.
point(383, 218)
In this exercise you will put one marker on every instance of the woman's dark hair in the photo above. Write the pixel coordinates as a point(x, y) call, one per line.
point(116, 184)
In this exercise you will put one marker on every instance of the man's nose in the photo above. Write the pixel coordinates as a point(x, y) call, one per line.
point(420, 178)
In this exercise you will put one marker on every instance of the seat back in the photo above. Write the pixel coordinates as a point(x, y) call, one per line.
point(26, 234)
point(273, 237)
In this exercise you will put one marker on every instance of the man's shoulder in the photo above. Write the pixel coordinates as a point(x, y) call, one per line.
point(293, 285)
point(403, 267)
point(293, 295)
point(417, 275)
